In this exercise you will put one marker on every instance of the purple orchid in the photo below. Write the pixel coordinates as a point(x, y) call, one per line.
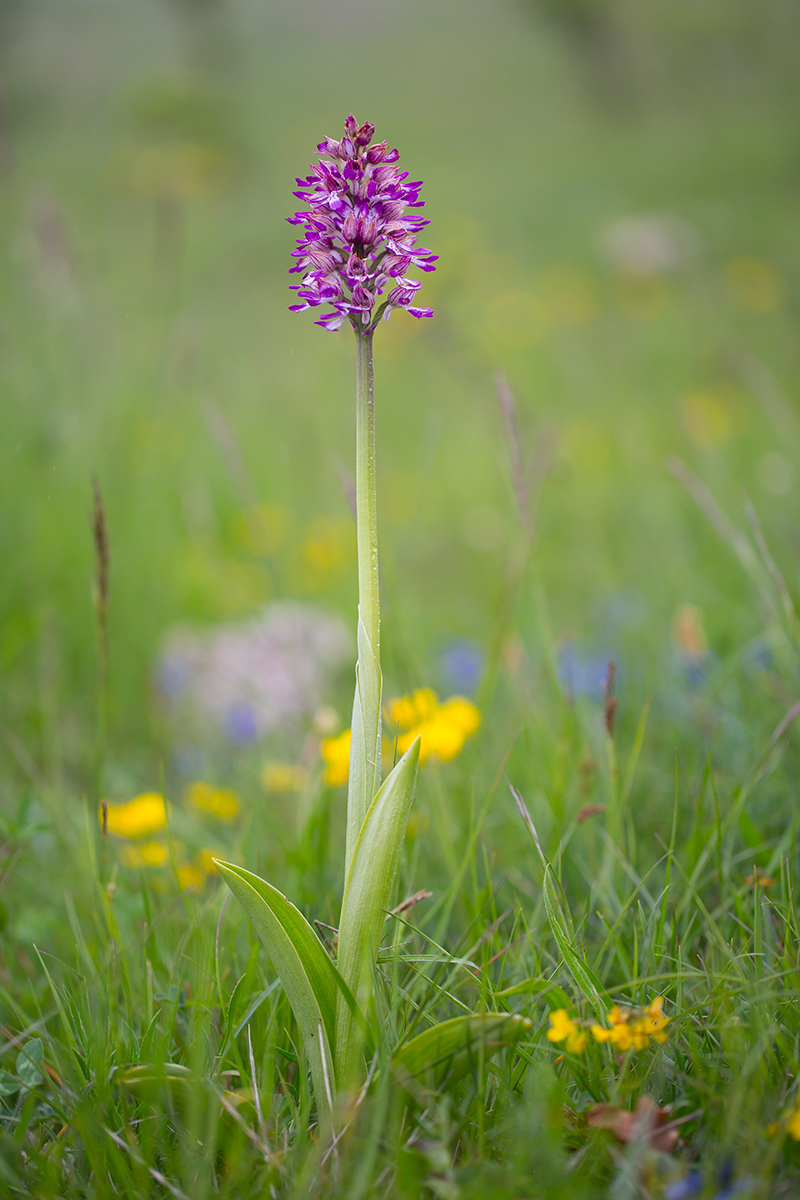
point(357, 242)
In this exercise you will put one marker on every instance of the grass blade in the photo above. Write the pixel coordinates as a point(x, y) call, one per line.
point(577, 967)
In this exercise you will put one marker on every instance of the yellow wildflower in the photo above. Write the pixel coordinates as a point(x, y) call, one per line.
point(654, 1020)
point(639, 1036)
point(563, 1027)
point(207, 861)
point(793, 1128)
point(150, 854)
point(220, 802)
point(283, 777)
point(190, 875)
point(442, 728)
point(138, 818)
point(755, 283)
point(408, 711)
point(789, 1122)
point(336, 752)
point(600, 1034)
point(632, 1029)
point(621, 1037)
point(764, 881)
point(324, 553)
point(576, 1042)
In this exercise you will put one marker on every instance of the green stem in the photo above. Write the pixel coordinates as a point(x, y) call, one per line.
point(365, 751)
point(366, 494)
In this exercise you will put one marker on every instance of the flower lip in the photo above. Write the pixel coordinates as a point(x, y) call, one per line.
point(358, 239)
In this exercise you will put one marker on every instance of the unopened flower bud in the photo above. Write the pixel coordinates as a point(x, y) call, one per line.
point(324, 260)
point(364, 135)
point(375, 153)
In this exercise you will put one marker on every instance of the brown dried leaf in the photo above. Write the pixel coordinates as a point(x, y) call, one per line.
point(648, 1121)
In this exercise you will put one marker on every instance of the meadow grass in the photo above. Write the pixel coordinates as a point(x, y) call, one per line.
point(146, 1048)
point(170, 1061)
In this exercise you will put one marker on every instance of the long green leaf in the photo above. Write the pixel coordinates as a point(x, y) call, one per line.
point(303, 966)
point(447, 1052)
point(577, 967)
point(367, 892)
point(163, 1072)
point(365, 741)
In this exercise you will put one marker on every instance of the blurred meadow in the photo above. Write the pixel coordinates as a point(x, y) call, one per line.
point(614, 193)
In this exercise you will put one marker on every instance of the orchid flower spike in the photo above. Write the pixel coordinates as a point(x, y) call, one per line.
point(358, 241)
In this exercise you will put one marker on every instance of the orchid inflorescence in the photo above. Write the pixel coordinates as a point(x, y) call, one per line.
point(358, 241)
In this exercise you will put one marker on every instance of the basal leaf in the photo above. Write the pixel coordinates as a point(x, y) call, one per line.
point(447, 1052)
point(302, 964)
point(367, 892)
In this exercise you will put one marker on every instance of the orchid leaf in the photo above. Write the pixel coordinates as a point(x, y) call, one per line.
point(303, 966)
point(447, 1052)
point(367, 892)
